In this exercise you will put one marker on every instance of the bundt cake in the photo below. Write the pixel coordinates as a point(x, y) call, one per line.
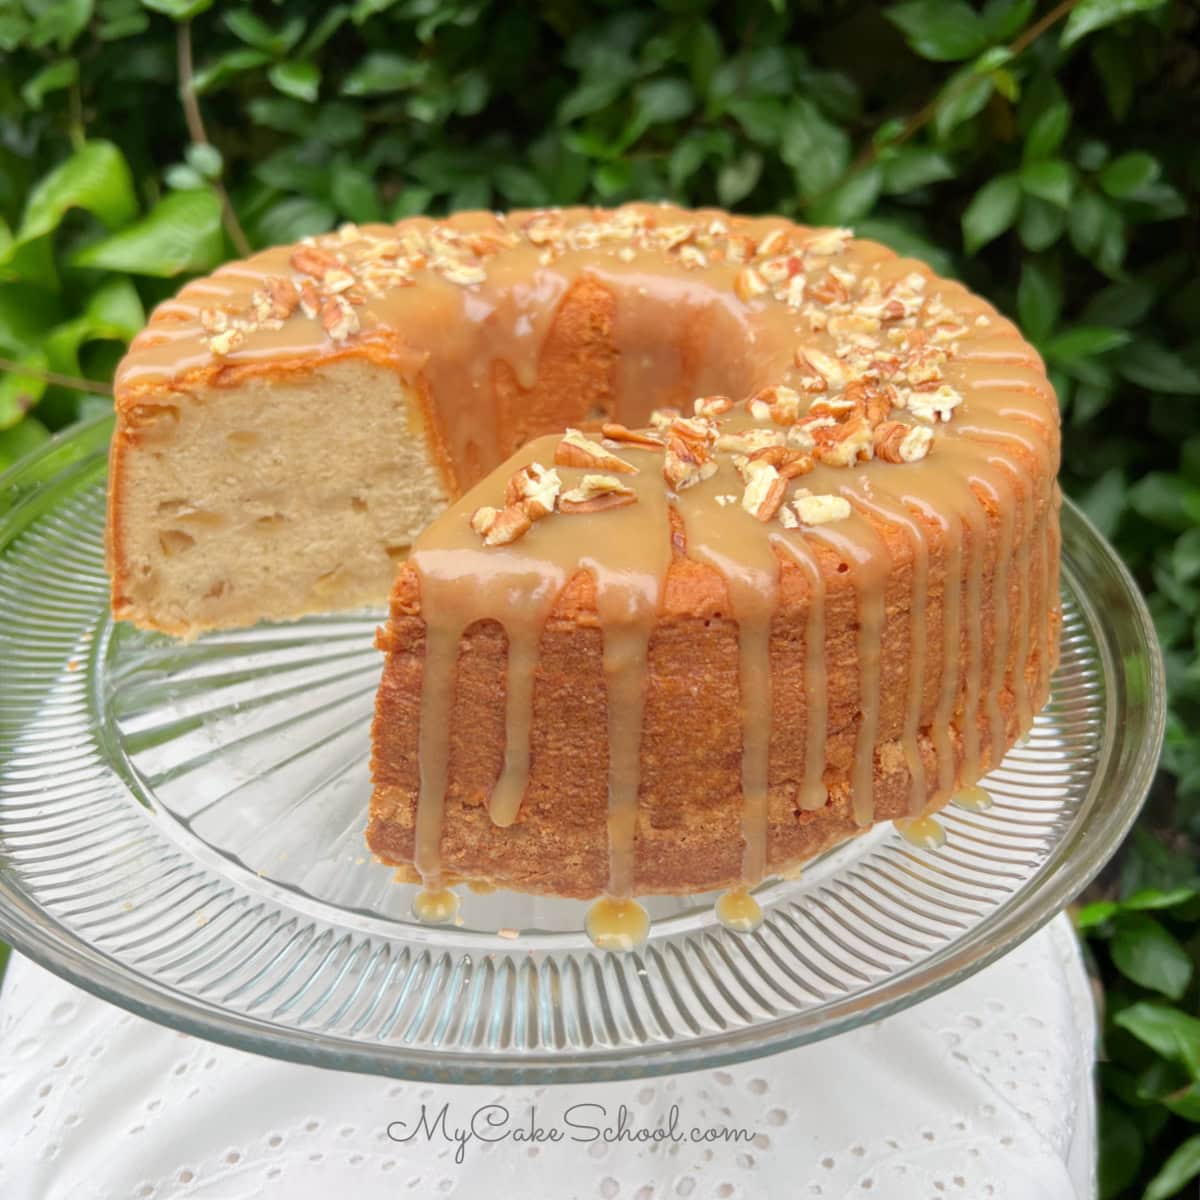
point(786, 564)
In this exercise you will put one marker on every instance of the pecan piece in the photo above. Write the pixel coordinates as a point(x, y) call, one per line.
point(312, 260)
point(535, 489)
point(615, 432)
point(596, 493)
point(896, 442)
point(500, 526)
point(765, 489)
point(576, 450)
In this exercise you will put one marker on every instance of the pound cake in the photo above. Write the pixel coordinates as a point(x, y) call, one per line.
point(790, 570)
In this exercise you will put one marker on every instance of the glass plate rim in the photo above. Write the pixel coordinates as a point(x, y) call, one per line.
point(77, 453)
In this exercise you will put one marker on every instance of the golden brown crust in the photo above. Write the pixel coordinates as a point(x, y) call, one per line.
point(689, 836)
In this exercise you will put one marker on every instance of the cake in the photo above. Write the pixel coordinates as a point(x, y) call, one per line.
point(753, 541)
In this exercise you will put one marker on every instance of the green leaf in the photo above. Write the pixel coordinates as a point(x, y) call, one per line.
point(1166, 500)
point(15, 443)
point(61, 22)
point(817, 150)
point(205, 160)
point(1039, 300)
point(1168, 1032)
point(354, 194)
point(1177, 1172)
point(850, 200)
point(179, 10)
point(1084, 341)
point(939, 30)
point(737, 179)
point(1091, 15)
point(1114, 65)
point(294, 218)
point(182, 233)
point(300, 80)
point(222, 69)
point(1047, 131)
point(962, 98)
point(1130, 173)
point(1050, 180)
point(1097, 913)
point(22, 388)
point(1144, 951)
point(1155, 898)
point(1154, 367)
point(95, 178)
point(913, 167)
point(1041, 223)
point(661, 100)
point(53, 78)
point(1185, 1103)
point(383, 71)
point(254, 31)
point(992, 210)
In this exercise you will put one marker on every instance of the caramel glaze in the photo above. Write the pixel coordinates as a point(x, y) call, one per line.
point(684, 317)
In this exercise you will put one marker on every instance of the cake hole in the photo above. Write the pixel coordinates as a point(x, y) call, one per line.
point(175, 541)
point(274, 521)
point(358, 504)
point(243, 439)
point(217, 590)
point(843, 568)
point(397, 554)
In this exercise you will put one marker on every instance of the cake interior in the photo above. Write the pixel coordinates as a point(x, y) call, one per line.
point(289, 494)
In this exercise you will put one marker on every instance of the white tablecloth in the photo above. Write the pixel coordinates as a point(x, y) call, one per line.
point(984, 1091)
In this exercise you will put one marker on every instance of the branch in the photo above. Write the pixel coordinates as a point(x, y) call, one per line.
point(8, 366)
point(196, 131)
point(926, 113)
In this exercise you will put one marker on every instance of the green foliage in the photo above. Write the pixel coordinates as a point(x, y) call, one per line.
point(1044, 154)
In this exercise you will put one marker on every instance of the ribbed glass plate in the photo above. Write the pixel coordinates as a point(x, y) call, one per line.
point(181, 831)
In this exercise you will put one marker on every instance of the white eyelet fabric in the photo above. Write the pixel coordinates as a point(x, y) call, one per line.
point(981, 1093)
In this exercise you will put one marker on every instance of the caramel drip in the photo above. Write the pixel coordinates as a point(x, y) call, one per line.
point(926, 833)
point(868, 562)
point(972, 799)
point(972, 515)
point(731, 540)
point(813, 793)
point(888, 508)
point(524, 640)
point(437, 699)
point(739, 911)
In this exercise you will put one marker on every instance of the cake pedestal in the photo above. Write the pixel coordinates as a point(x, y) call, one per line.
point(182, 835)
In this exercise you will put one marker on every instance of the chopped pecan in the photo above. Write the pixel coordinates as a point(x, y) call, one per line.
point(788, 461)
point(596, 493)
point(535, 489)
point(576, 450)
point(896, 442)
point(338, 318)
point(712, 406)
point(686, 463)
point(765, 490)
point(634, 437)
point(821, 509)
point(499, 527)
point(748, 283)
point(312, 260)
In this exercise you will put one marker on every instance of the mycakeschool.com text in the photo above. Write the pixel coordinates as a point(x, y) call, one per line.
point(582, 1124)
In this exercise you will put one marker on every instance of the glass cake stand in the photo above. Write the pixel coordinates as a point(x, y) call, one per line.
point(181, 831)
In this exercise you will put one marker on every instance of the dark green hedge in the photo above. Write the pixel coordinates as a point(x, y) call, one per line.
point(1047, 155)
